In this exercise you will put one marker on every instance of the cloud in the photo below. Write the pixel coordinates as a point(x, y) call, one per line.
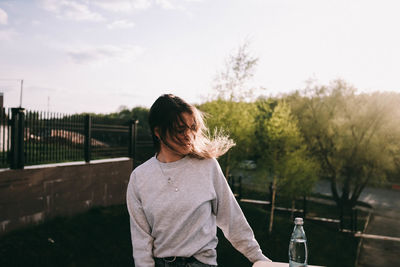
point(129, 5)
point(7, 35)
point(87, 55)
point(122, 5)
point(3, 17)
point(121, 24)
point(166, 4)
point(71, 10)
point(79, 9)
point(175, 4)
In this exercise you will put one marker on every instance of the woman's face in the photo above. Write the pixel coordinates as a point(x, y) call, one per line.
point(182, 141)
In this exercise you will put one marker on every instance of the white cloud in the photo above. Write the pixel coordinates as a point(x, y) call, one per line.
point(71, 10)
point(3, 17)
point(96, 54)
point(175, 4)
point(79, 9)
point(129, 5)
point(166, 4)
point(7, 35)
point(122, 5)
point(121, 24)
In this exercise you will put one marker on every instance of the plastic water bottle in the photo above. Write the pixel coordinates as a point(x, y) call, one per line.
point(298, 245)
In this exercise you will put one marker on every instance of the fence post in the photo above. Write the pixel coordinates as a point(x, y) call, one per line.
point(351, 219)
point(133, 141)
point(88, 138)
point(341, 218)
point(17, 138)
point(304, 207)
point(355, 220)
point(130, 139)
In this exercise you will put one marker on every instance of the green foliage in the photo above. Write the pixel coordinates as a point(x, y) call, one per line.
point(125, 116)
point(237, 120)
point(354, 136)
point(230, 110)
point(264, 110)
point(284, 154)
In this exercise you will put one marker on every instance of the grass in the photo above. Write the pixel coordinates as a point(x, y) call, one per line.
point(255, 185)
point(101, 237)
point(326, 245)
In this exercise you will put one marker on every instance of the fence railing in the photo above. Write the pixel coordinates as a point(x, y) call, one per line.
point(34, 137)
point(5, 141)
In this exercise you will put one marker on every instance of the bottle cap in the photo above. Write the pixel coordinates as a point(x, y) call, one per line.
point(298, 221)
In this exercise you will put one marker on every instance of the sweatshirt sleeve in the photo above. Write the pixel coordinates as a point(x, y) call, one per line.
point(231, 220)
point(142, 241)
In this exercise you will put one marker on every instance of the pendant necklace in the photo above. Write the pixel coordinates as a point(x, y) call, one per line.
point(169, 180)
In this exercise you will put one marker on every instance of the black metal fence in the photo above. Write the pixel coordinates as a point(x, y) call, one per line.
point(5, 141)
point(34, 137)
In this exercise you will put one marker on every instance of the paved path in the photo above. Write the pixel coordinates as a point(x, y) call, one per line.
point(381, 252)
point(377, 197)
point(380, 246)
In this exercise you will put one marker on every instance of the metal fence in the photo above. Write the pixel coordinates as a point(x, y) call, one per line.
point(5, 141)
point(35, 137)
point(51, 137)
point(143, 148)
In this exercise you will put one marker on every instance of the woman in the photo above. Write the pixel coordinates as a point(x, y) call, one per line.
point(178, 197)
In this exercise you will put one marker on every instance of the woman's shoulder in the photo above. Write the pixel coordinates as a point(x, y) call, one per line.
point(204, 163)
point(145, 167)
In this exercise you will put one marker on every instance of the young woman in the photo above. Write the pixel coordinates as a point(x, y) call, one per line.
point(177, 198)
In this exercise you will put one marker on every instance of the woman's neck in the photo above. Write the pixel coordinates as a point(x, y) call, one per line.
point(166, 157)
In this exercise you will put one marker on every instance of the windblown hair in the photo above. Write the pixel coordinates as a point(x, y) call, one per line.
point(166, 116)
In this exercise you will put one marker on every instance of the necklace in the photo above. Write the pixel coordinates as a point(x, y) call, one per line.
point(169, 180)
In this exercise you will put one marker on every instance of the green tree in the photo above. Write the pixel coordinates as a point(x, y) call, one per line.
point(237, 120)
point(284, 155)
point(125, 116)
point(353, 136)
point(230, 109)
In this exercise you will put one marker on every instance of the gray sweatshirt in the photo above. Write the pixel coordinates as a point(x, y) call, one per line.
point(175, 207)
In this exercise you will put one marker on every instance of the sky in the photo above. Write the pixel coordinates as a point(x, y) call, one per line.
point(98, 55)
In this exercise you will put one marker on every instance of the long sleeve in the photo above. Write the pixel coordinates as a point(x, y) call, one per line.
point(142, 241)
point(231, 220)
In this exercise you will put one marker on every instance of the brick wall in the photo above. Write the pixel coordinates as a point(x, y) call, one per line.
point(38, 193)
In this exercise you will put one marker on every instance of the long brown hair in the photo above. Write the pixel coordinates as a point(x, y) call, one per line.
point(166, 115)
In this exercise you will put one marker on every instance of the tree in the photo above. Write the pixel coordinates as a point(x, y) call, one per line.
point(232, 83)
point(229, 111)
point(125, 116)
point(284, 155)
point(237, 120)
point(353, 136)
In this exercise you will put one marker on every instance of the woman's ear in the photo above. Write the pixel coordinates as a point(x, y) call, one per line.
point(157, 132)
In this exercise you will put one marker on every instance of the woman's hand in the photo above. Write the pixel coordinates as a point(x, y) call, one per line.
point(262, 264)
